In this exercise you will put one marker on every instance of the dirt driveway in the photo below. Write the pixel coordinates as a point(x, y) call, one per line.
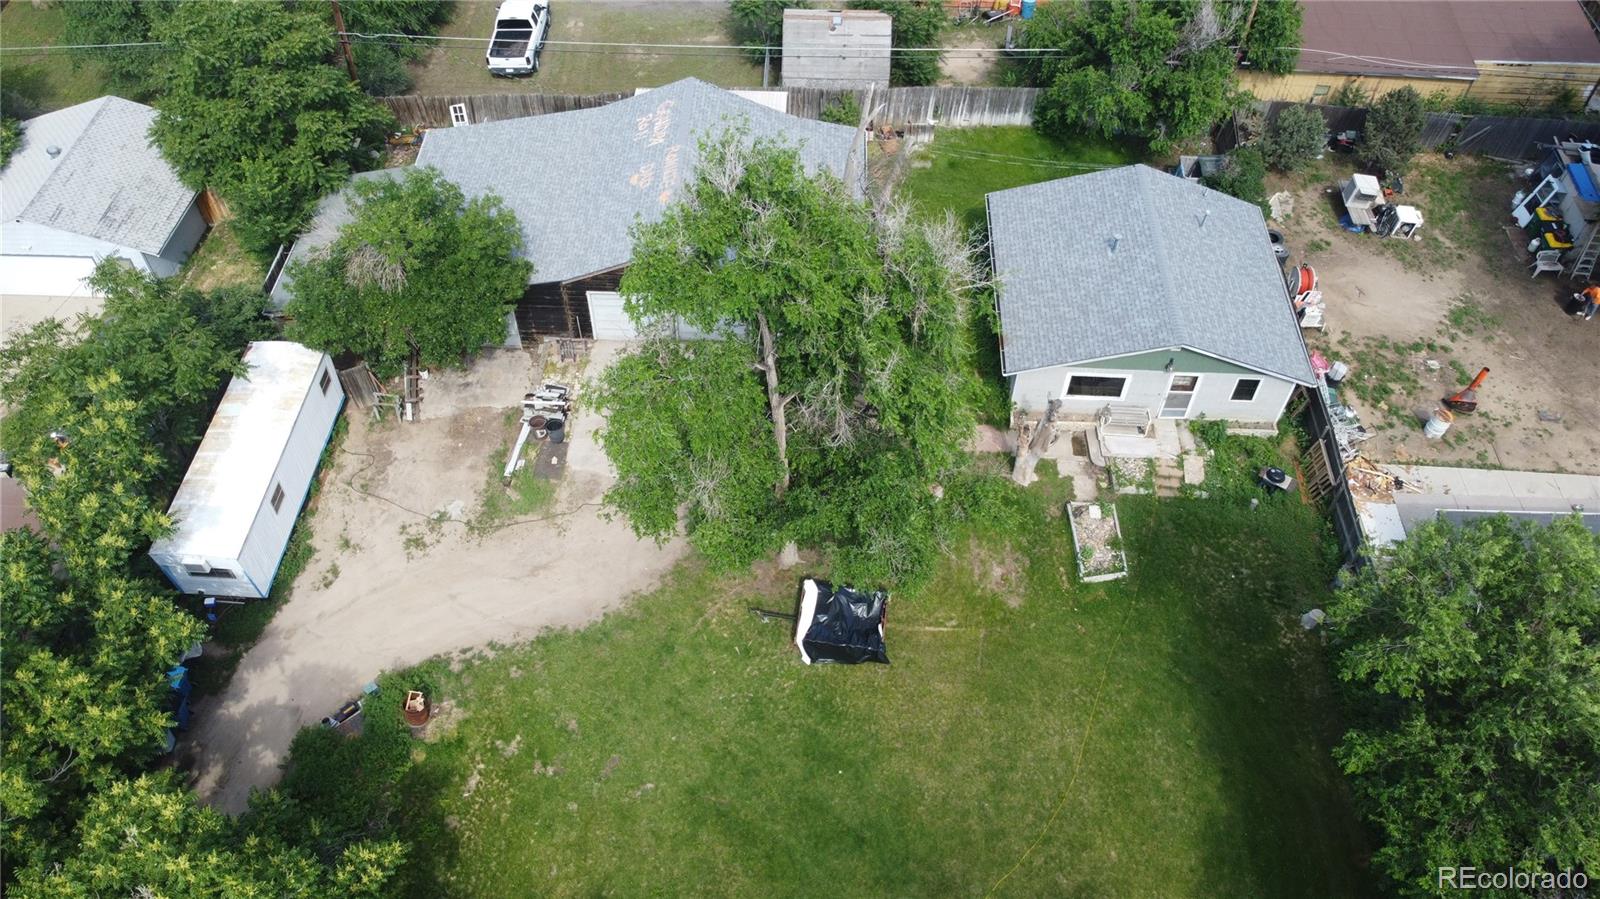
point(398, 577)
point(1415, 323)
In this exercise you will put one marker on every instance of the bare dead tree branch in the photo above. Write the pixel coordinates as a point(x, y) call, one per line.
point(367, 265)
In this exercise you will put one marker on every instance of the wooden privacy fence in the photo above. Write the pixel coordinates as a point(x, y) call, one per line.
point(949, 106)
point(434, 112)
point(901, 106)
point(1503, 137)
point(1519, 138)
point(1323, 466)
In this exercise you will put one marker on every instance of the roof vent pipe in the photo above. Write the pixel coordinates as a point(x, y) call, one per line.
point(1203, 216)
point(53, 150)
point(1111, 245)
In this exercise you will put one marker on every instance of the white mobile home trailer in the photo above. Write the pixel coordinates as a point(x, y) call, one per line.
point(239, 500)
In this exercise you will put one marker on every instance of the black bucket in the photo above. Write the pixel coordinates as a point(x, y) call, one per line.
point(557, 429)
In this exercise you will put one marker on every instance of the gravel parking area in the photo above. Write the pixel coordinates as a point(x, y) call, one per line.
point(1416, 321)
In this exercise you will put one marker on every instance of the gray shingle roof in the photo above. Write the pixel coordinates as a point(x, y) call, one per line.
point(1067, 297)
point(333, 213)
point(578, 180)
point(108, 182)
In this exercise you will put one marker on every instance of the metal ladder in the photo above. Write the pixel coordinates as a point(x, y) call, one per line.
point(1583, 265)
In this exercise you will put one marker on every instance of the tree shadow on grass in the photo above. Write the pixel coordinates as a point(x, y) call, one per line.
point(1257, 688)
point(341, 789)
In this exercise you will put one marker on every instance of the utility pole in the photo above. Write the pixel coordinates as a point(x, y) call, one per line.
point(344, 42)
point(766, 60)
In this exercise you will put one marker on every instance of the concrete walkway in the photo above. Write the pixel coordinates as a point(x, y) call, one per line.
point(389, 588)
point(1476, 490)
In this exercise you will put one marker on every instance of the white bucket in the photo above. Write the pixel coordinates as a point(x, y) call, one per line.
point(1338, 371)
point(1438, 423)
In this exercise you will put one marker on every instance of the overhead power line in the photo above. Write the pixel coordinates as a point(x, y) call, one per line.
point(452, 43)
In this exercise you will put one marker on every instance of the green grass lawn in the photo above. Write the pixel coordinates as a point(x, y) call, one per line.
point(963, 164)
point(46, 81)
point(458, 67)
point(219, 261)
point(1166, 735)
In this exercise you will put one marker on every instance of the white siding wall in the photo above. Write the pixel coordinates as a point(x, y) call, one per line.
point(1213, 399)
point(172, 566)
point(182, 242)
point(269, 535)
point(45, 276)
point(1033, 390)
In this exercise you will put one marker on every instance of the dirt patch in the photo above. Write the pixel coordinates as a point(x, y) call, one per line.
point(960, 65)
point(1415, 323)
point(423, 583)
point(998, 570)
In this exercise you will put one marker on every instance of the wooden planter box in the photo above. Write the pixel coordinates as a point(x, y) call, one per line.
point(1105, 535)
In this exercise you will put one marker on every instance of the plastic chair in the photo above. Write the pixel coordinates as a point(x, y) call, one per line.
point(1546, 261)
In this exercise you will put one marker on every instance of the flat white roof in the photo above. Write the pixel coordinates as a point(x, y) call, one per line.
point(230, 474)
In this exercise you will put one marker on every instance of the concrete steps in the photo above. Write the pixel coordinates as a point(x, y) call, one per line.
point(1169, 477)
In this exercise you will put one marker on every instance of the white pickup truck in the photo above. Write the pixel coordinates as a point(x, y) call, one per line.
point(520, 27)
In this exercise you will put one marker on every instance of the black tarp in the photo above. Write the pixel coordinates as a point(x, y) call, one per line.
point(840, 624)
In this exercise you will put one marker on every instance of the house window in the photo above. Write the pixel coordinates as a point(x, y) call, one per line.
point(327, 379)
point(1244, 389)
point(277, 497)
point(1096, 386)
point(458, 114)
point(1319, 94)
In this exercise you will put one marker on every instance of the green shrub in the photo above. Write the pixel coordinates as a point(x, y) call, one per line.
point(1394, 131)
point(1243, 175)
point(843, 110)
point(1299, 135)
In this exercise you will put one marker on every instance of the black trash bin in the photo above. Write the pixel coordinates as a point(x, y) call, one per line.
point(557, 429)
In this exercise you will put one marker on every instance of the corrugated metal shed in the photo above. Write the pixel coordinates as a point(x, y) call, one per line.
point(1131, 260)
point(107, 181)
point(836, 48)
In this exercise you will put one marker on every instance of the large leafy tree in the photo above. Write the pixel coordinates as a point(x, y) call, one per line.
point(135, 72)
point(10, 139)
point(1472, 662)
point(918, 24)
point(759, 24)
point(170, 346)
point(84, 686)
point(833, 409)
point(381, 64)
point(253, 108)
point(101, 415)
point(1272, 43)
point(1158, 71)
point(419, 267)
point(147, 837)
point(1394, 131)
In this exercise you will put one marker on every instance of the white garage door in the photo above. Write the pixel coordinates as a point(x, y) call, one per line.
point(607, 317)
point(45, 276)
point(610, 322)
